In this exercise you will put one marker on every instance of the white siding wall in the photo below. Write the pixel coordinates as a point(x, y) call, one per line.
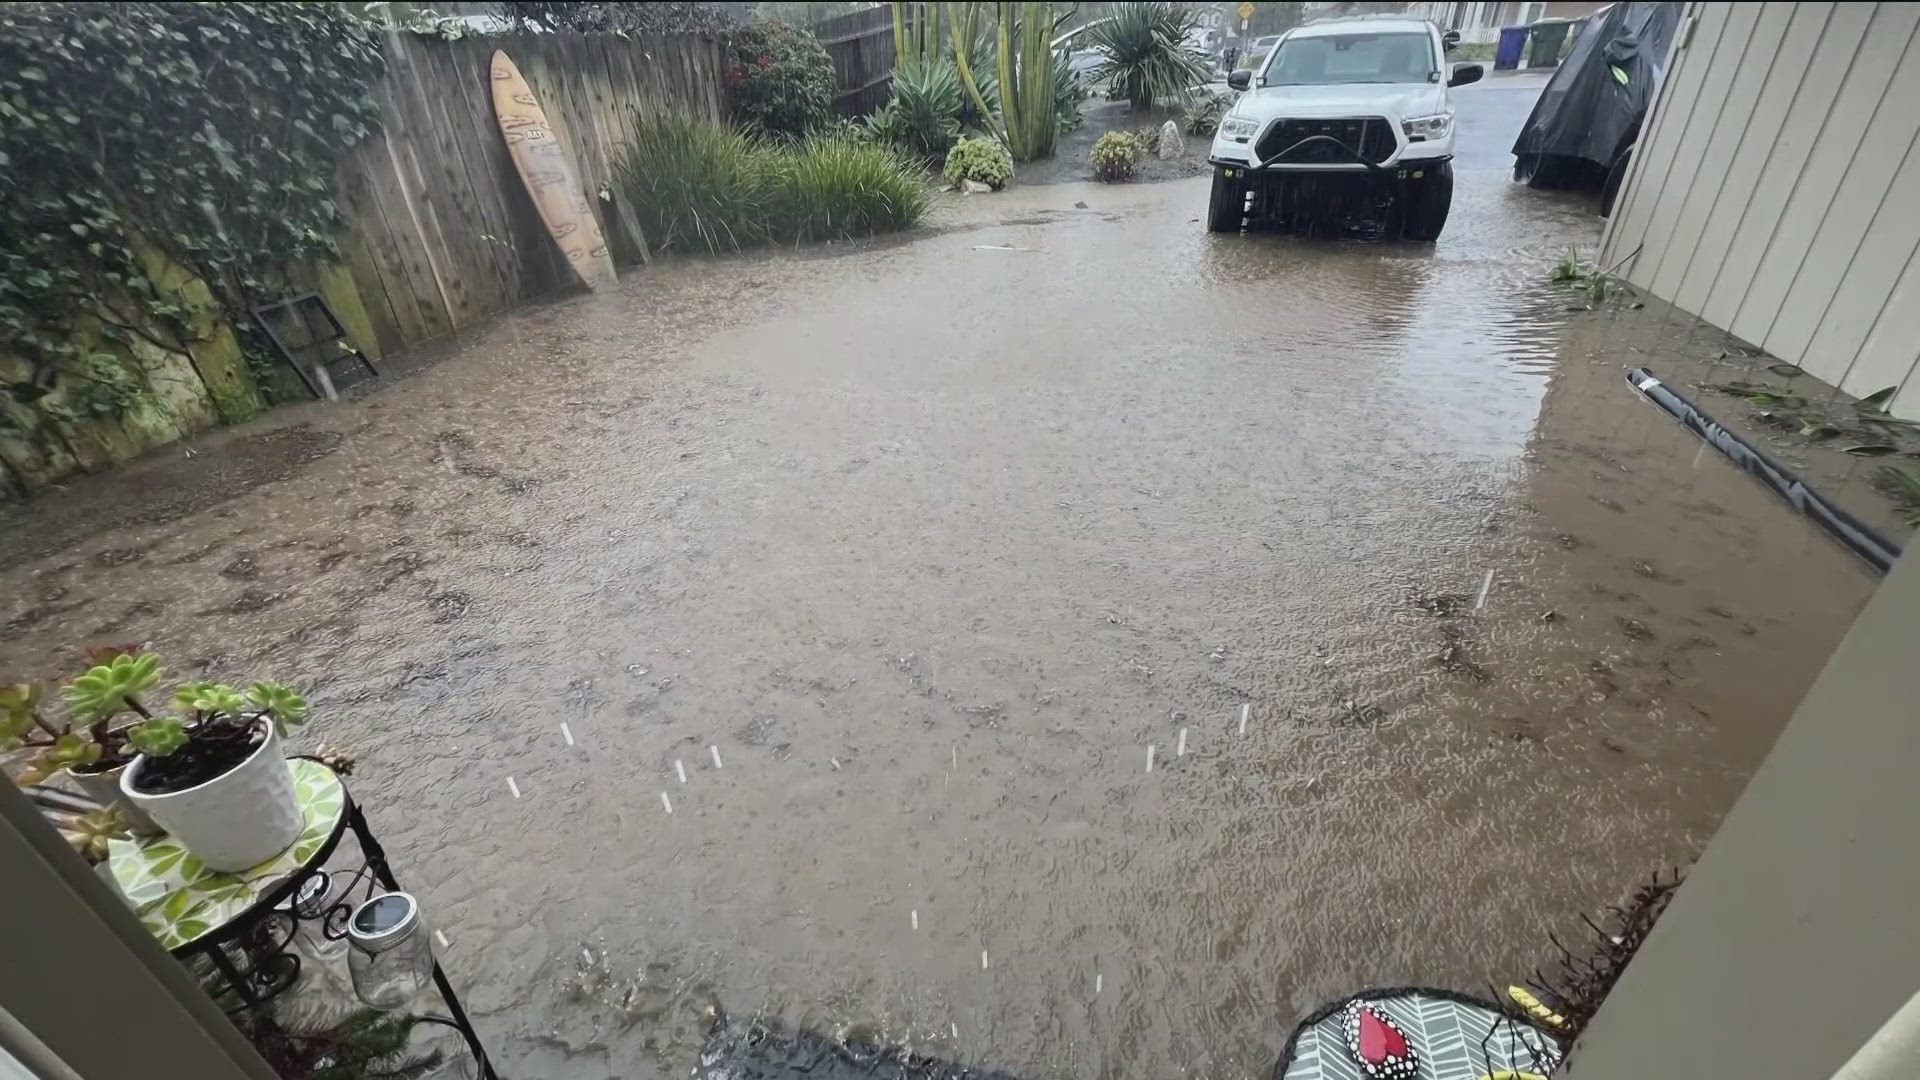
point(1776, 191)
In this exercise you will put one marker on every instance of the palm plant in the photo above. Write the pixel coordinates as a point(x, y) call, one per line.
point(1146, 51)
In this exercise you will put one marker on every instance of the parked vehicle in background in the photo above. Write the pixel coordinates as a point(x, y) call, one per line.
point(1345, 124)
point(1587, 121)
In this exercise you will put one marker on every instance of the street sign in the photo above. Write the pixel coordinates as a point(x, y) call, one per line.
point(1246, 12)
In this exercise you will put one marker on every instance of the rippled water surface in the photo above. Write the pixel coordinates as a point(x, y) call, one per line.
point(931, 541)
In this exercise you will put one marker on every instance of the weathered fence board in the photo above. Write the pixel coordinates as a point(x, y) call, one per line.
point(435, 205)
point(861, 44)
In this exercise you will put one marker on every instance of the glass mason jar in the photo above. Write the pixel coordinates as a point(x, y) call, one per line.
point(392, 960)
point(308, 907)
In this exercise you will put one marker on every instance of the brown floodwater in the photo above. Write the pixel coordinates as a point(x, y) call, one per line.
point(932, 540)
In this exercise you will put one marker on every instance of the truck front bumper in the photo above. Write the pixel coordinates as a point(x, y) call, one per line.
point(1331, 200)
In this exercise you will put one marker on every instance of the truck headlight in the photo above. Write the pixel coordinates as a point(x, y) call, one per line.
point(1424, 128)
point(1235, 127)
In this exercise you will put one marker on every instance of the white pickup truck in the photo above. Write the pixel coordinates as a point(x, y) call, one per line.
point(1344, 123)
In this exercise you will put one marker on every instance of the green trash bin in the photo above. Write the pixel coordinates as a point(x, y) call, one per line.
point(1547, 36)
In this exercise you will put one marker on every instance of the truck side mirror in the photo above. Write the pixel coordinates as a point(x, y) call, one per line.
point(1241, 79)
point(1450, 39)
point(1466, 73)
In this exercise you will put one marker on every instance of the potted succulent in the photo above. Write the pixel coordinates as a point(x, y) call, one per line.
point(215, 775)
point(85, 747)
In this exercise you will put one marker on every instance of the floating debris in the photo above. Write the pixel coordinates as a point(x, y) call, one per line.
point(1441, 605)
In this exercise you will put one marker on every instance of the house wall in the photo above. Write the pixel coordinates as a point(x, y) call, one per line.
point(1480, 23)
point(1775, 190)
point(1578, 9)
point(1794, 939)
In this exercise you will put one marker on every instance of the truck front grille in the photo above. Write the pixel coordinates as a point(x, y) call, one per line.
point(1368, 136)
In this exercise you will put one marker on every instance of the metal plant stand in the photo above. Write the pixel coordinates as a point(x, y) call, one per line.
point(230, 923)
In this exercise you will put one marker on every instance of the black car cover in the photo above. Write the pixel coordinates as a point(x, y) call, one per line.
point(1593, 107)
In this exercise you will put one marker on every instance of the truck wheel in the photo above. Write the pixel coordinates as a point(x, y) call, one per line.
point(1227, 205)
point(1428, 214)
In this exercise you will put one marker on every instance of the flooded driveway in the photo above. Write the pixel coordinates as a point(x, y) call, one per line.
point(908, 554)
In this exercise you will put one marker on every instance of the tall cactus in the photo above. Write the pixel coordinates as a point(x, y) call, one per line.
point(917, 38)
point(1027, 122)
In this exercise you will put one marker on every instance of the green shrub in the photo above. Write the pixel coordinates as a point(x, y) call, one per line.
point(1146, 50)
point(697, 185)
point(926, 106)
point(832, 187)
point(1203, 116)
point(981, 160)
point(1113, 156)
point(712, 188)
point(781, 79)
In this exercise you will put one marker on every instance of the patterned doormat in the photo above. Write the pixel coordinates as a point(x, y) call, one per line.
point(1412, 1033)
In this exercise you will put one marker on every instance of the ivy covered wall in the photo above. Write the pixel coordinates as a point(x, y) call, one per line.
point(163, 167)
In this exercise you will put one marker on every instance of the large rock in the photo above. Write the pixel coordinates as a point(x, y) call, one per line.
point(1172, 144)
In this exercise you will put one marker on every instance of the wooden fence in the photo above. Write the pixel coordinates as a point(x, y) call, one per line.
point(861, 44)
point(440, 230)
point(443, 232)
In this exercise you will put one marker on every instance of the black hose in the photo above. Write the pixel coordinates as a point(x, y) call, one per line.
point(1859, 537)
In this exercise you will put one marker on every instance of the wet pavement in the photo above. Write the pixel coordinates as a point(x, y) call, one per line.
point(930, 541)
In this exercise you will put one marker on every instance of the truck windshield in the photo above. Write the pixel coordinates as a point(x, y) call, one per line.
point(1352, 58)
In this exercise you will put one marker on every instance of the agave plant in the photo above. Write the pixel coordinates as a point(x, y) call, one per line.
point(926, 102)
point(1068, 92)
point(1147, 55)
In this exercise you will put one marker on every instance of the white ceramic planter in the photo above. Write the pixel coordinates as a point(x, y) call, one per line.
point(104, 788)
point(235, 821)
